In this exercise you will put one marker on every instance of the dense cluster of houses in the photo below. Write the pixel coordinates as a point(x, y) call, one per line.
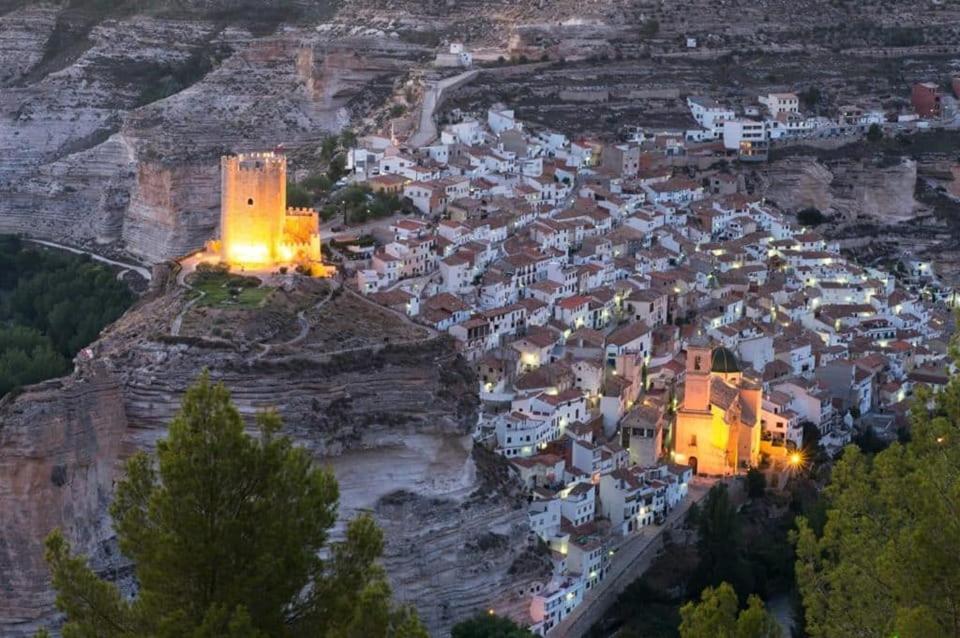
point(593, 284)
point(778, 116)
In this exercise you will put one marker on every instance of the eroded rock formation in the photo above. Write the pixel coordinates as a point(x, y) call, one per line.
point(392, 419)
point(111, 136)
point(881, 191)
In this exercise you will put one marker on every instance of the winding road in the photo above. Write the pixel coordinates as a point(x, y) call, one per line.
point(427, 131)
point(140, 270)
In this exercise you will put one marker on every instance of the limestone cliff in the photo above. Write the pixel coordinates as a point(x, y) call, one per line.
point(110, 133)
point(59, 442)
point(854, 188)
point(391, 419)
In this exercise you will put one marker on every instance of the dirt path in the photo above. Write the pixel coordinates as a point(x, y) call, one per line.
point(304, 323)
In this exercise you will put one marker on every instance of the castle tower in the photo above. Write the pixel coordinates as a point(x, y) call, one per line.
point(252, 208)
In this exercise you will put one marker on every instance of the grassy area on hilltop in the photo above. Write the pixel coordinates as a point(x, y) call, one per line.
point(225, 289)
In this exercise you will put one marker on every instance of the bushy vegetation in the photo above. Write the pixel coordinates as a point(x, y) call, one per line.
point(717, 615)
point(811, 217)
point(489, 626)
point(884, 562)
point(359, 204)
point(165, 79)
point(318, 185)
point(298, 196)
point(52, 304)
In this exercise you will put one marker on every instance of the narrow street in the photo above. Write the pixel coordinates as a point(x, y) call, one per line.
point(633, 557)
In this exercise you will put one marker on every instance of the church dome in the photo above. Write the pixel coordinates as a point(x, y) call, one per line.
point(724, 361)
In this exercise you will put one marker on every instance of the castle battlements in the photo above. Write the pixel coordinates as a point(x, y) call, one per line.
point(254, 162)
point(294, 211)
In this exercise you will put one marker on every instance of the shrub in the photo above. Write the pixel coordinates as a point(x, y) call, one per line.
point(811, 217)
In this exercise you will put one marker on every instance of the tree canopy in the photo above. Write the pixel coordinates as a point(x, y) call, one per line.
point(52, 304)
point(226, 532)
point(720, 545)
point(489, 626)
point(886, 562)
point(717, 615)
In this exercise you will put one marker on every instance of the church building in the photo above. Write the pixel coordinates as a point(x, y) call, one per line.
point(718, 424)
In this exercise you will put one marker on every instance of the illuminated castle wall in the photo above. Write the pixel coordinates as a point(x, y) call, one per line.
point(256, 227)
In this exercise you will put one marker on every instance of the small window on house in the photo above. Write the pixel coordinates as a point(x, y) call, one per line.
point(250, 202)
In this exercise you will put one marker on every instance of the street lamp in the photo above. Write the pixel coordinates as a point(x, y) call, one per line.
point(796, 460)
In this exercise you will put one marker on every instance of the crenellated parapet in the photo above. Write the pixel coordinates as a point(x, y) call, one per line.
point(293, 211)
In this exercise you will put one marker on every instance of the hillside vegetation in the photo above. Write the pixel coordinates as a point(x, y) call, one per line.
point(52, 304)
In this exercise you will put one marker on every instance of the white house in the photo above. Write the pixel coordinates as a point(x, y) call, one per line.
point(709, 114)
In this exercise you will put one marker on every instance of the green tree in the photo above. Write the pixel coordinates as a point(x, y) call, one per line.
point(810, 217)
point(348, 138)
point(337, 168)
point(298, 196)
point(26, 357)
point(720, 545)
point(225, 531)
point(328, 148)
point(874, 133)
point(489, 626)
point(887, 560)
point(716, 616)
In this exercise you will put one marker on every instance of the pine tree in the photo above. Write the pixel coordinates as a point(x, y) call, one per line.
point(489, 626)
point(225, 531)
point(887, 561)
point(716, 616)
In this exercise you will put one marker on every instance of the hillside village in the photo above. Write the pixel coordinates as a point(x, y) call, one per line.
point(636, 319)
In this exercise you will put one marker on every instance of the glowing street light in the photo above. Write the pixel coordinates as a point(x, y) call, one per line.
point(796, 460)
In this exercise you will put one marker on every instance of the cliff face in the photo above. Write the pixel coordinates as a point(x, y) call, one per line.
point(59, 442)
point(849, 188)
point(111, 133)
point(392, 420)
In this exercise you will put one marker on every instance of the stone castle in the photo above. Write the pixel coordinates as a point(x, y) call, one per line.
point(257, 229)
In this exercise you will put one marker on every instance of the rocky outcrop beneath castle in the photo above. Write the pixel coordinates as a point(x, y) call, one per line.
point(390, 419)
point(111, 134)
point(880, 191)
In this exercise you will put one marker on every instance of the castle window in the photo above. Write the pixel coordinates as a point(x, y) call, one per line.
point(250, 202)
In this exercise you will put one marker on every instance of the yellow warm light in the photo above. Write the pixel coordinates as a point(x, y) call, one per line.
point(796, 460)
point(248, 254)
point(286, 253)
